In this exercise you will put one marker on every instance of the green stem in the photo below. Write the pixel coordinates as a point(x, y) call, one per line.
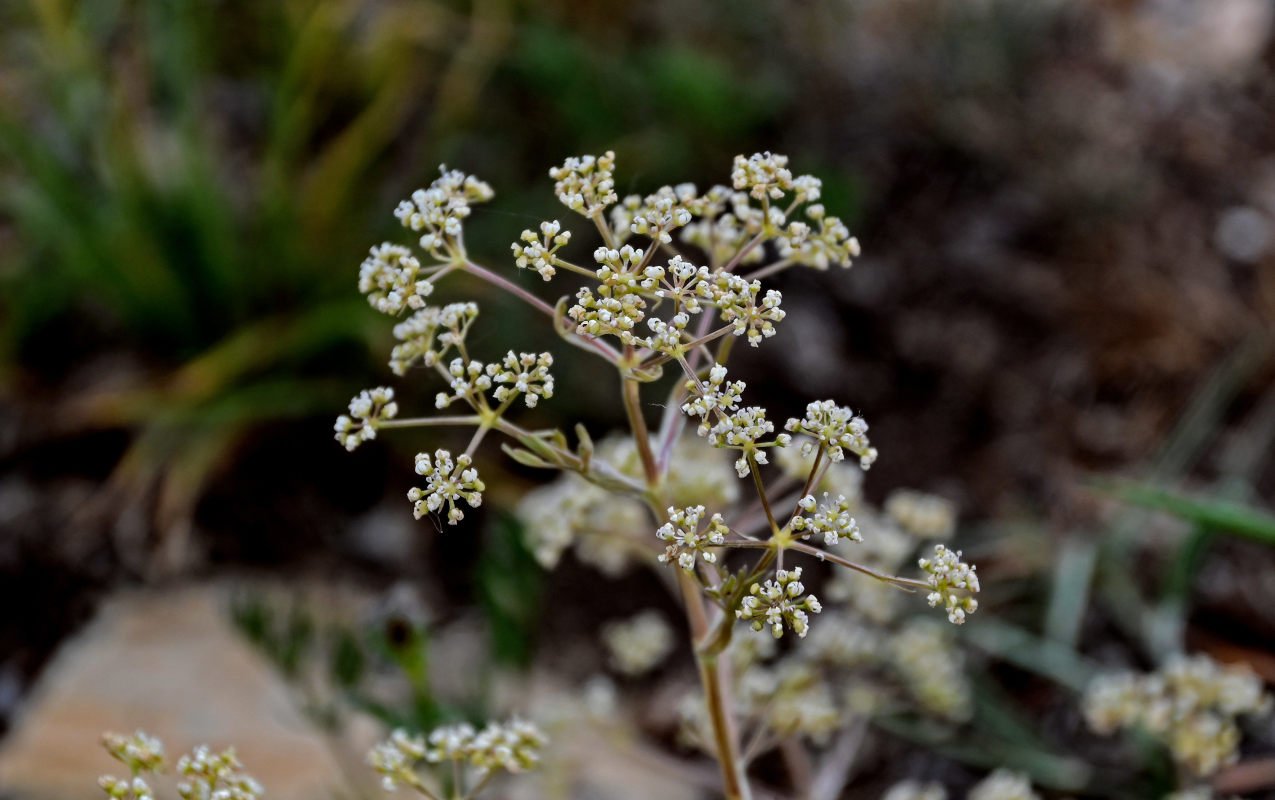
point(412, 422)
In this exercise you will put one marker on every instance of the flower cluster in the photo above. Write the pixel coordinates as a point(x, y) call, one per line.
point(1002, 784)
point(923, 515)
point(368, 410)
point(746, 430)
point(537, 251)
point(391, 277)
point(139, 752)
point(446, 482)
point(713, 395)
point(585, 184)
point(685, 539)
point(429, 334)
point(835, 429)
point(831, 244)
point(205, 775)
point(440, 210)
point(640, 644)
point(126, 789)
point(743, 305)
point(763, 175)
point(1191, 703)
point(524, 374)
point(779, 602)
point(469, 378)
point(215, 776)
point(608, 530)
point(513, 746)
point(946, 573)
point(932, 669)
point(614, 311)
point(832, 518)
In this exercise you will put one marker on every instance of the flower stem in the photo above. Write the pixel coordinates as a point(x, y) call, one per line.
point(714, 676)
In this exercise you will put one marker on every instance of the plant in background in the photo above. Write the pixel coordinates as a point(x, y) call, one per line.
point(676, 280)
point(1000, 785)
point(1190, 704)
point(205, 775)
point(513, 746)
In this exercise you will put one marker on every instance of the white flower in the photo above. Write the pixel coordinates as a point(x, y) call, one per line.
point(779, 602)
point(1190, 703)
point(915, 790)
point(923, 515)
point(686, 540)
point(1003, 785)
point(215, 776)
point(835, 429)
point(392, 279)
point(469, 379)
point(932, 668)
point(585, 184)
point(639, 644)
point(368, 410)
point(447, 482)
point(430, 333)
point(763, 175)
point(524, 373)
point(744, 430)
point(713, 395)
point(140, 752)
point(832, 518)
point(537, 251)
point(946, 573)
point(439, 210)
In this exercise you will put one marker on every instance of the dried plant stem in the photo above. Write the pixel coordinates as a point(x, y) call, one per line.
point(712, 670)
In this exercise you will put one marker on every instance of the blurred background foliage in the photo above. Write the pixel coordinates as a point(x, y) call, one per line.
point(1067, 214)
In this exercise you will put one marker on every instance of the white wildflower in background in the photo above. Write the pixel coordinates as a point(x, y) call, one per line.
point(916, 790)
point(140, 752)
point(639, 644)
point(368, 410)
point(1191, 704)
point(932, 669)
point(778, 603)
point(512, 746)
point(613, 311)
point(395, 759)
point(215, 776)
point(1003, 784)
point(835, 429)
point(446, 483)
point(953, 581)
point(820, 249)
point(648, 309)
point(685, 539)
point(925, 516)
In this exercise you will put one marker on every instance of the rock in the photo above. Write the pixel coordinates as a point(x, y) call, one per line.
point(171, 664)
